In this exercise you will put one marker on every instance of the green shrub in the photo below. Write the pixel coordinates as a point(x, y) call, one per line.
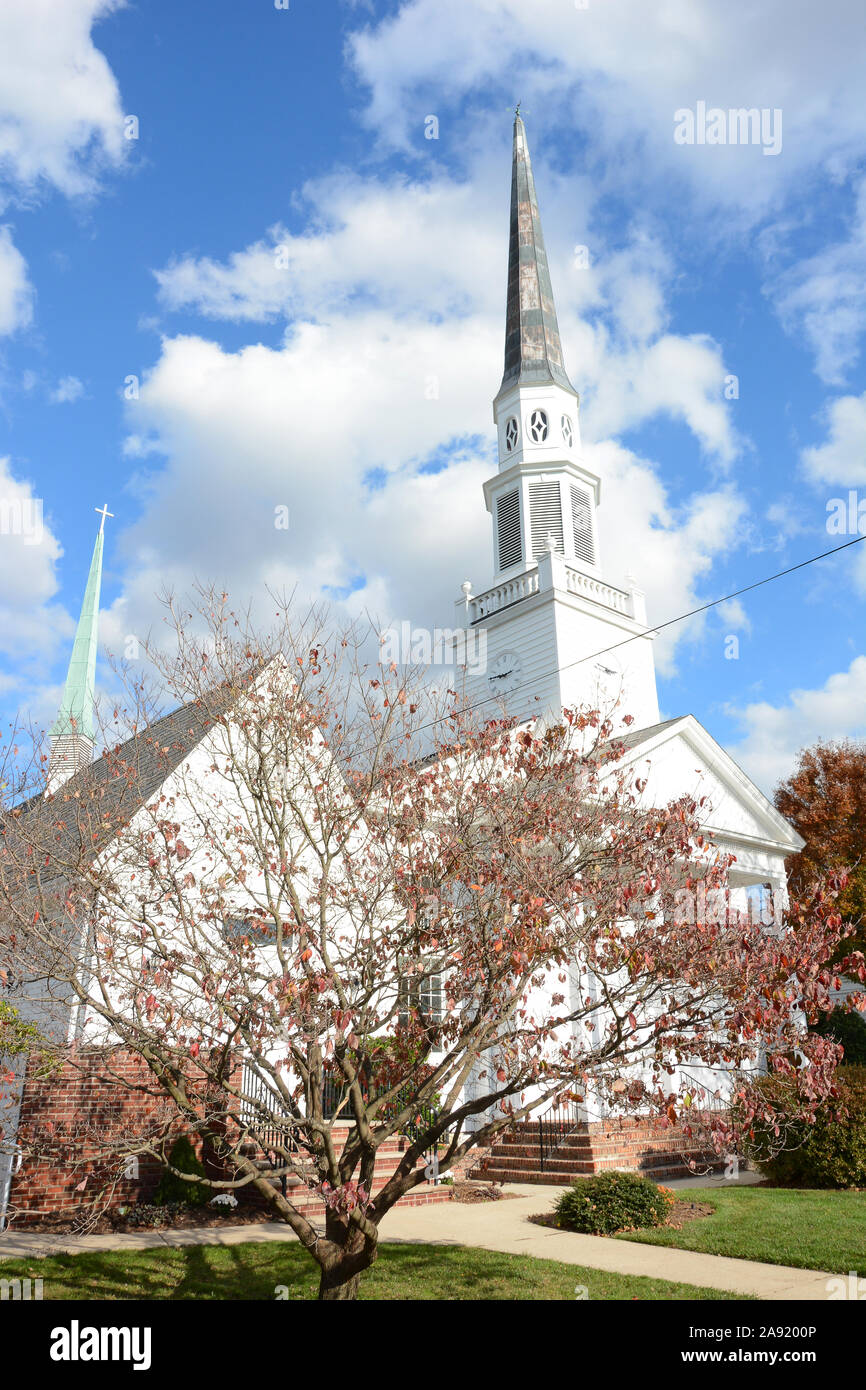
point(849, 1029)
point(612, 1202)
point(831, 1152)
point(173, 1189)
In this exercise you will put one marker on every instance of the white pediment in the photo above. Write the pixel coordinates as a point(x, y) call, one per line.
point(680, 757)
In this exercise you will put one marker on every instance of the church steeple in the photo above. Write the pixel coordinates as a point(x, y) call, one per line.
point(544, 496)
point(73, 734)
point(550, 626)
point(533, 348)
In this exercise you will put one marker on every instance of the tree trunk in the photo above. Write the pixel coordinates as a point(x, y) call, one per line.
point(336, 1284)
point(333, 1286)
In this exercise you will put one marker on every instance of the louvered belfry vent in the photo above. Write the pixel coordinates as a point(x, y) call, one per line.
point(508, 526)
point(581, 517)
point(545, 517)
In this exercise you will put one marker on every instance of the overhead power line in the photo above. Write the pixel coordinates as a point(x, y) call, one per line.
point(659, 627)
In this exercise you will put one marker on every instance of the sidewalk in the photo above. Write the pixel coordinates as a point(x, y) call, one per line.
point(503, 1226)
point(491, 1226)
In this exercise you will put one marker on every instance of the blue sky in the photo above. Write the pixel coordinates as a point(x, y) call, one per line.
point(285, 263)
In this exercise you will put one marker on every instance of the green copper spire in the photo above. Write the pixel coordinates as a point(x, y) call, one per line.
point(79, 694)
point(533, 350)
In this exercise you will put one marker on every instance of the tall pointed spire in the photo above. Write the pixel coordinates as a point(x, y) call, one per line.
point(533, 350)
point(73, 734)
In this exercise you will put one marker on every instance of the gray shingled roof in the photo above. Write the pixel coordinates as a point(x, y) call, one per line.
point(93, 806)
point(635, 737)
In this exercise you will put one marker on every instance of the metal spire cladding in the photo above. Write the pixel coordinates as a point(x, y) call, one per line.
point(533, 350)
point(73, 733)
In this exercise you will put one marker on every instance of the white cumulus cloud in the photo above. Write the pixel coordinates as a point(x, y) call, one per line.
point(16, 291)
point(31, 622)
point(773, 734)
point(841, 459)
point(60, 116)
point(67, 390)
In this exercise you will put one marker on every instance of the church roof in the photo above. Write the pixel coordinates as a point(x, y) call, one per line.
point(533, 349)
point(95, 804)
point(637, 736)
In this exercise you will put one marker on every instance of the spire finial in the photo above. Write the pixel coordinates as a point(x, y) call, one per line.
point(103, 512)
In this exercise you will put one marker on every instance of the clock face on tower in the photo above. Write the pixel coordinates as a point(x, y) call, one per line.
point(504, 674)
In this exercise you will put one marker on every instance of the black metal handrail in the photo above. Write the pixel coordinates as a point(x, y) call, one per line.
point(262, 1110)
point(260, 1105)
point(262, 1113)
point(711, 1101)
point(699, 1115)
point(554, 1127)
point(333, 1096)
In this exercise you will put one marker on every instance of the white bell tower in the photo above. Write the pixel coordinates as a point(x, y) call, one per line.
point(556, 634)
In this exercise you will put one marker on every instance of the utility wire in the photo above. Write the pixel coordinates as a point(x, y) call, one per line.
point(660, 627)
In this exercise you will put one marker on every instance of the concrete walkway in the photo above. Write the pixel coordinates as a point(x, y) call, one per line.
point(499, 1226)
point(503, 1226)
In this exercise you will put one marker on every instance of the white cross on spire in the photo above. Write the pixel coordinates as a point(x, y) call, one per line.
point(103, 512)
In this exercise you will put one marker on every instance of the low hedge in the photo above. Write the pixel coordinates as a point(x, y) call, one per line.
point(849, 1029)
point(611, 1202)
point(173, 1189)
point(831, 1152)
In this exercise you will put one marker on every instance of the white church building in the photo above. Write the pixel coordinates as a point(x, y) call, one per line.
point(557, 632)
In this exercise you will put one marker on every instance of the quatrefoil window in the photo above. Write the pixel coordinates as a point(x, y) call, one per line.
point(567, 431)
point(538, 426)
point(511, 433)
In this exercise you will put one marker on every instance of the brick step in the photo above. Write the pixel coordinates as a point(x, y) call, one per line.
point(682, 1146)
point(523, 1135)
point(494, 1173)
point(596, 1165)
point(527, 1156)
point(389, 1146)
point(585, 1167)
point(532, 1175)
point(578, 1147)
point(306, 1200)
point(651, 1167)
point(525, 1165)
point(531, 1150)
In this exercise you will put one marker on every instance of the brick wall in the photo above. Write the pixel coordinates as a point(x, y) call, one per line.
point(86, 1101)
point(73, 1109)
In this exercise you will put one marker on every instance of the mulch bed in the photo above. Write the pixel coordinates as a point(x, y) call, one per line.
point(165, 1219)
point(145, 1217)
point(480, 1192)
point(679, 1214)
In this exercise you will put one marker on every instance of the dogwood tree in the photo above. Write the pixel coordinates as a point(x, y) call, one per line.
point(326, 906)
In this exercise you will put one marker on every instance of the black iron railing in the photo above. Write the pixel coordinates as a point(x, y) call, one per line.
point(705, 1100)
point(707, 1106)
point(333, 1096)
point(263, 1113)
point(554, 1127)
point(422, 1118)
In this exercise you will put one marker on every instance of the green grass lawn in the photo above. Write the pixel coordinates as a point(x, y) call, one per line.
point(252, 1271)
point(781, 1226)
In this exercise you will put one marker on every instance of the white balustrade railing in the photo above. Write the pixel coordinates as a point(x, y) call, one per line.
point(523, 585)
point(586, 587)
point(503, 595)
